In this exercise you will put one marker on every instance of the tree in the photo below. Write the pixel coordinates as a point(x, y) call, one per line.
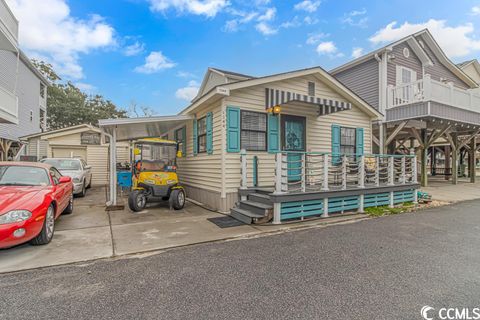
point(143, 112)
point(68, 106)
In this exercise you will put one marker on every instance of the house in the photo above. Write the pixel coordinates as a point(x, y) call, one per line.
point(472, 69)
point(83, 141)
point(23, 94)
point(284, 146)
point(430, 105)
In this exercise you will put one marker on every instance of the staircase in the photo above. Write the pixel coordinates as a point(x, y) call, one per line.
point(258, 208)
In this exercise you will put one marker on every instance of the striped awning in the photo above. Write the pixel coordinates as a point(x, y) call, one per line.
point(275, 97)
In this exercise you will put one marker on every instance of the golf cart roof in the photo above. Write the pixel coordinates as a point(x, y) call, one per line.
point(156, 141)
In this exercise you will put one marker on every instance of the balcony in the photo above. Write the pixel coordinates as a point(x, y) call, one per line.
point(430, 98)
point(8, 28)
point(8, 107)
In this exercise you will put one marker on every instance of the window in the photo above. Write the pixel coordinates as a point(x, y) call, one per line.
point(179, 139)
point(311, 89)
point(347, 141)
point(55, 175)
point(31, 115)
point(253, 131)
point(406, 75)
point(42, 90)
point(406, 52)
point(202, 134)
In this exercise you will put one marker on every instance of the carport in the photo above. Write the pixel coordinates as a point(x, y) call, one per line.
point(128, 129)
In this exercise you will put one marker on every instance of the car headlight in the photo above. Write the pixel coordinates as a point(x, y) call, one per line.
point(15, 216)
point(76, 180)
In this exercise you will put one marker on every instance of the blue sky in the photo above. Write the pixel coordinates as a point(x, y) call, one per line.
point(155, 52)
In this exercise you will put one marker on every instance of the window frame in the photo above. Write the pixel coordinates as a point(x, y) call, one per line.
point(248, 130)
point(348, 145)
point(181, 142)
point(312, 83)
point(204, 118)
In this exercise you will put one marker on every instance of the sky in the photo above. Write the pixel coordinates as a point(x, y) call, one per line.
point(154, 53)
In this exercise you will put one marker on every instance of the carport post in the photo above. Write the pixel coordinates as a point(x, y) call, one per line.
point(113, 167)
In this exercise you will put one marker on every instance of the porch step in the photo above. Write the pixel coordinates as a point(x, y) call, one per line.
point(244, 216)
point(260, 197)
point(255, 207)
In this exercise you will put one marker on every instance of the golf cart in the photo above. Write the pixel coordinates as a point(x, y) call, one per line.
point(154, 176)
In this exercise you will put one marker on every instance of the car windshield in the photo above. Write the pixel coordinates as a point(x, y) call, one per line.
point(64, 164)
point(23, 176)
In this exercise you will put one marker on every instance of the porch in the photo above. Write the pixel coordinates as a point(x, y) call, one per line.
point(308, 184)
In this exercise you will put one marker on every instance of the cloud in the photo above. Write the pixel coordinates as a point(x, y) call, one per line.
point(455, 41)
point(243, 18)
point(86, 87)
point(307, 5)
point(357, 52)
point(327, 47)
point(48, 31)
point(314, 38)
point(208, 8)
point(185, 74)
point(265, 29)
point(263, 25)
point(155, 62)
point(269, 15)
point(134, 49)
point(475, 11)
point(189, 92)
point(356, 18)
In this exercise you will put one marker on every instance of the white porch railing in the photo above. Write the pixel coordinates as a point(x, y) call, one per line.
point(427, 89)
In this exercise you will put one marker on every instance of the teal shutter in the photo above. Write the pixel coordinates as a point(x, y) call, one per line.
point(195, 137)
point(360, 149)
point(273, 137)
point(184, 142)
point(209, 133)
point(233, 129)
point(335, 144)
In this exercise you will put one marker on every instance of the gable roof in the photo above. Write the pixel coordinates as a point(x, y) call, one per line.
point(419, 51)
point(63, 131)
point(473, 62)
point(224, 90)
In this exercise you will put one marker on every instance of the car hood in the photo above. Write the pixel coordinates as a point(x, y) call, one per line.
point(28, 198)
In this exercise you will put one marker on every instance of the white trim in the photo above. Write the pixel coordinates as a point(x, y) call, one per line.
point(123, 121)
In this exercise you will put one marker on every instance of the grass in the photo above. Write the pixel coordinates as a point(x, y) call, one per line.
point(386, 210)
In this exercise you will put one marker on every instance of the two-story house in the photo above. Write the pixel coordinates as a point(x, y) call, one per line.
point(428, 103)
point(23, 90)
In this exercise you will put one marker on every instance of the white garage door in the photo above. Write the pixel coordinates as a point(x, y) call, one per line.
point(66, 152)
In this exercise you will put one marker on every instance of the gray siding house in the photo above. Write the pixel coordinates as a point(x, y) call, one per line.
point(430, 105)
point(23, 94)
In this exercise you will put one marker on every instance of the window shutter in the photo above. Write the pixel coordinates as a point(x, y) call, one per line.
point(360, 149)
point(233, 129)
point(273, 133)
point(195, 137)
point(335, 144)
point(184, 142)
point(209, 133)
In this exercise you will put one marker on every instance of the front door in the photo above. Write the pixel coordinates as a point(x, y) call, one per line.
point(293, 139)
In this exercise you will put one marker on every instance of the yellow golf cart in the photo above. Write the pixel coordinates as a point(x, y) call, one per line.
point(154, 176)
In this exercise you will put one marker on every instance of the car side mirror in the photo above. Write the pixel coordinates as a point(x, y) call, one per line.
point(88, 167)
point(65, 179)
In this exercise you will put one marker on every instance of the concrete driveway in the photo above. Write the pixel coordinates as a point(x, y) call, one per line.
point(92, 233)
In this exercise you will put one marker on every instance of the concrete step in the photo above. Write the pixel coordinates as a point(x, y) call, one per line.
point(244, 216)
point(256, 207)
point(259, 197)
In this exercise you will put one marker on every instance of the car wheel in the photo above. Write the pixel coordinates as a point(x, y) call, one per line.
point(46, 234)
point(69, 208)
point(178, 199)
point(137, 200)
point(83, 192)
point(89, 183)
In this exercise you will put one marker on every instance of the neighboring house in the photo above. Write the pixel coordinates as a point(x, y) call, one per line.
point(23, 90)
point(472, 69)
point(428, 103)
point(83, 141)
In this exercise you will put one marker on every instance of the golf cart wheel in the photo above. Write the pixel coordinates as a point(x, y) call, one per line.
point(137, 200)
point(178, 199)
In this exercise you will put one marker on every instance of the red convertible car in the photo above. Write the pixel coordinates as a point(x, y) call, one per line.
point(32, 197)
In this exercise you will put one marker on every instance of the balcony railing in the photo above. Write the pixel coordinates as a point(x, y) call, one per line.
point(427, 89)
point(8, 23)
point(8, 107)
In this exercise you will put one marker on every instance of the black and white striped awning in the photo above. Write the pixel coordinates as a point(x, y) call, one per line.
point(275, 97)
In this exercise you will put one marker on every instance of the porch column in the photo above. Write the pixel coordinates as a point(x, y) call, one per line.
point(423, 159)
point(455, 158)
point(432, 161)
point(473, 160)
point(447, 161)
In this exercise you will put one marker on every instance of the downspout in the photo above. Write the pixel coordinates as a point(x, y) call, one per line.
point(112, 199)
point(382, 59)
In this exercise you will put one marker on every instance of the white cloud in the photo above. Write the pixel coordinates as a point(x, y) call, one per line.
point(155, 62)
point(185, 74)
point(356, 18)
point(327, 47)
point(86, 87)
point(189, 92)
point(265, 29)
point(269, 15)
point(455, 41)
point(48, 31)
point(475, 11)
point(208, 8)
point(307, 5)
point(357, 52)
point(134, 49)
point(243, 18)
point(310, 21)
point(314, 38)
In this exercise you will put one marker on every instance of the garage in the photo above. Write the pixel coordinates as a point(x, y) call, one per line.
point(82, 141)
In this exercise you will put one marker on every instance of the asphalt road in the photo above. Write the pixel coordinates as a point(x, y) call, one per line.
point(385, 268)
